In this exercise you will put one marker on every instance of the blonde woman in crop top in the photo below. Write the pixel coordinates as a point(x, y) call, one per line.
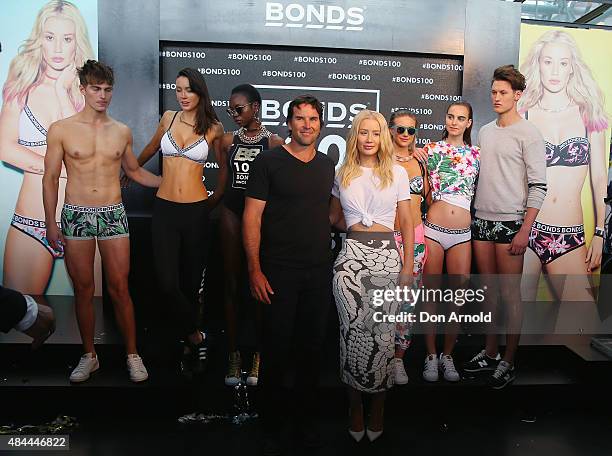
point(453, 165)
point(369, 190)
point(180, 213)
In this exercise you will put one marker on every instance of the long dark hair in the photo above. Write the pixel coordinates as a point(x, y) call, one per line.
point(205, 113)
point(467, 134)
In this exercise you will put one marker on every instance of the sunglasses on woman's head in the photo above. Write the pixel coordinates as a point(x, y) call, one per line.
point(401, 130)
point(237, 111)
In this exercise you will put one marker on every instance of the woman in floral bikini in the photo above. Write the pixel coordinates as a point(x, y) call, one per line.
point(453, 166)
point(573, 126)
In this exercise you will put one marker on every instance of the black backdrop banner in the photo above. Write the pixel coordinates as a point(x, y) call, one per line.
point(346, 81)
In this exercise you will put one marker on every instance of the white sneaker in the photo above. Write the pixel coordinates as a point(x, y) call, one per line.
point(399, 373)
point(430, 372)
point(447, 366)
point(138, 372)
point(87, 365)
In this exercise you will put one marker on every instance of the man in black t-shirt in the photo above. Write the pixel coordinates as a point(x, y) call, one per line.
point(286, 234)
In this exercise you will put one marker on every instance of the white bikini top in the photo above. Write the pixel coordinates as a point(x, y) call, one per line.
point(197, 152)
point(364, 201)
point(31, 132)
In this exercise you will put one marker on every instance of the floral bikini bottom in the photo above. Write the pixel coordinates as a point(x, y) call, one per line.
point(549, 242)
point(37, 230)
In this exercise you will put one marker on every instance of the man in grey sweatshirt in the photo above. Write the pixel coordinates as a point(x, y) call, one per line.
point(510, 191)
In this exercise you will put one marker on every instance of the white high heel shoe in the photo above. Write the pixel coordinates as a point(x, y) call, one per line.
point(373, 435)
point(357, 435)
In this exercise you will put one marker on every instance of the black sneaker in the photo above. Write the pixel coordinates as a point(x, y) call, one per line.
point(481, 362)
point(199, 355)
point(504, 374)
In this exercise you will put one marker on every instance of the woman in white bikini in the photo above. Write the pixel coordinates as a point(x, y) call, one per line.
point(42, 87)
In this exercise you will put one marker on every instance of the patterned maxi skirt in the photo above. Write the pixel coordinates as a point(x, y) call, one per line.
point(368, 264)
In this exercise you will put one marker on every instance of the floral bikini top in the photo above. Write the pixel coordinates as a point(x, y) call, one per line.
point(574, 151)
point(453, 172)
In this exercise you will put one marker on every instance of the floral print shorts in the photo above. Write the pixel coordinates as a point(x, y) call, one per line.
point(106, 222)
point(494, 231)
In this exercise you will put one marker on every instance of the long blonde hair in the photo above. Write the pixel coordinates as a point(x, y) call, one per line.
point(384, 168)
point(27, 69)
point(582, 88)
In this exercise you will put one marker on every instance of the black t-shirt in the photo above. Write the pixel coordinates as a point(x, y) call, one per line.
point(295, 230)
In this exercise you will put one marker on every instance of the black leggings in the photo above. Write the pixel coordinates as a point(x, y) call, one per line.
point(179, 243)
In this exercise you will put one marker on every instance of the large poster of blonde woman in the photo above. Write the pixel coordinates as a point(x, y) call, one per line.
point(42, 44)
point(568, 96)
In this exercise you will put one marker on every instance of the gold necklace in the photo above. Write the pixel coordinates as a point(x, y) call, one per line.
point(262, 132)
point(186, 123)
point(399, 158)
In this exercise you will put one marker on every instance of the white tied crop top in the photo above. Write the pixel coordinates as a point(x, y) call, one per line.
point(364, 201)
point(197, 152)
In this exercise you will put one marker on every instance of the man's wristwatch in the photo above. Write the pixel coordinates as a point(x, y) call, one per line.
point(599, 232)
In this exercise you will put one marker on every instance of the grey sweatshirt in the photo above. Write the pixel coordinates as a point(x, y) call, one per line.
point(512, 171)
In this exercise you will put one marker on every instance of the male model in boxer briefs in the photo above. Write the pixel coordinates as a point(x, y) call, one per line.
point(93, 146)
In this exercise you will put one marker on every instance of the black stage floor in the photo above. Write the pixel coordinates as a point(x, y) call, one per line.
point(560, 402)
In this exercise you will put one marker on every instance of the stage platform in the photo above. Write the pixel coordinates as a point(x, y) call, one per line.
point(560, 396)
